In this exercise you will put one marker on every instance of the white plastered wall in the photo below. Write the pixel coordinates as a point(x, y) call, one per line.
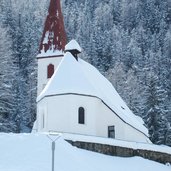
point(42, 71)
point(61, 115)
point(123, 131)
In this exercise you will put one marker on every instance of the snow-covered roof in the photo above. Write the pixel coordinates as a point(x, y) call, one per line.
point(73, 45)
point(79, 77)
point(49, 53)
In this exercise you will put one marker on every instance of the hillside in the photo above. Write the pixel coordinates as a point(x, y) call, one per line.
point(128, 41)
point(28, 152)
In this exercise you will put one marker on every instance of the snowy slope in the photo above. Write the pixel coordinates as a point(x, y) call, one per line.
point(32, 152)
point(118, 143)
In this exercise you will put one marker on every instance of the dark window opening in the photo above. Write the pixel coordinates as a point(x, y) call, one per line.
point(50, 70)
point(81, 115)
point(111, 131)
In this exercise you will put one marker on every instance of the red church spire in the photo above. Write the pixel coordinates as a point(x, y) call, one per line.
point(54, 36)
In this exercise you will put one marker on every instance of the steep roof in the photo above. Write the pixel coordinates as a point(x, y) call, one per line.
point(54, 36)
point(79, 77)
point(73, 45)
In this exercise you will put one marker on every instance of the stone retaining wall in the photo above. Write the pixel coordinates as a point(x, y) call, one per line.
point(123, 151)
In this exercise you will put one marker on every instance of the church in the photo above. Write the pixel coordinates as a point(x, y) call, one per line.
point(73, 96)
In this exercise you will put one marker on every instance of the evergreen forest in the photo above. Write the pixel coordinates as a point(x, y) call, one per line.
point(129, 41)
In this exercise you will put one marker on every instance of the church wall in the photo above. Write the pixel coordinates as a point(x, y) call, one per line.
point(105, 118)
point(123, 131)
point(123, 151)
point(42, 71)
point(41, 118)
point(135, 135)
point(61, 115)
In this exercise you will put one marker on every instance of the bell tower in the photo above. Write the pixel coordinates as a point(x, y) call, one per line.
point(52, 44)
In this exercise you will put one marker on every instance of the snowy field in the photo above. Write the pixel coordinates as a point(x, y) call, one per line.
point(32, 152)
point(120, 143)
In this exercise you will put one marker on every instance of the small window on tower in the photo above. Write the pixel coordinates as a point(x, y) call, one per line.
point(81, 115)
point(50, 70)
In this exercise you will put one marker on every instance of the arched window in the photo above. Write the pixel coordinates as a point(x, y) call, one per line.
point(81, 115)
point(50, 70)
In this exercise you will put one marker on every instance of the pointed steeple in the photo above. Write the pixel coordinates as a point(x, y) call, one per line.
point(54, 36)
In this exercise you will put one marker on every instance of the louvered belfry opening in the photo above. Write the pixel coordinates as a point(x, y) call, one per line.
point(54, 36)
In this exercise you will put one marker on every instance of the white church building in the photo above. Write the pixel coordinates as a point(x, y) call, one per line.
point(74, 97)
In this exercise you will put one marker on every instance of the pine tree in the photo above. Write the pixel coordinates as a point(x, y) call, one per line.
point(7, 80)
point(168, 136)
point(126, 40)
point(24, 29)
point(155, 118)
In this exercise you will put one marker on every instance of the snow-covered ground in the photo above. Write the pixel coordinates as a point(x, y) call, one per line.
point(119, 143)
point(32, 152)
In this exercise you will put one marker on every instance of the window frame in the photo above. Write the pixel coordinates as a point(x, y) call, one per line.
point(81, 115)
point(110, 130)
point(50, 70)
point(43, 121)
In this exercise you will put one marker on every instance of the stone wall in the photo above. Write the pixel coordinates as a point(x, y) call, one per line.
point(123, 151)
